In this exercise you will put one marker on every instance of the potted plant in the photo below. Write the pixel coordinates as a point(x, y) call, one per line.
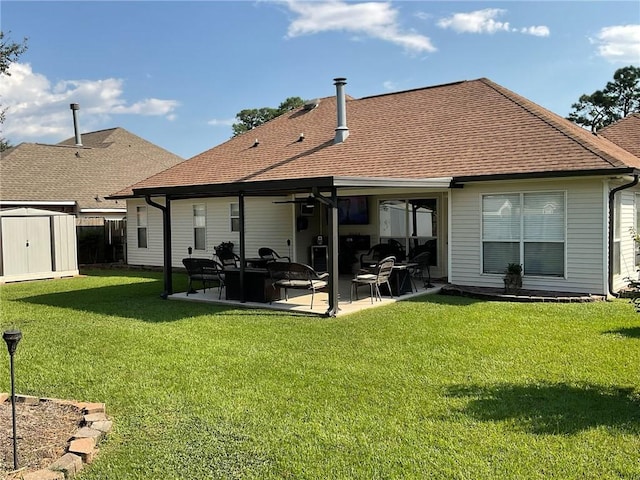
point(513, 278)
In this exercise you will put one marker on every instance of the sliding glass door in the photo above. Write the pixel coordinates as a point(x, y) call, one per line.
point(411, 222)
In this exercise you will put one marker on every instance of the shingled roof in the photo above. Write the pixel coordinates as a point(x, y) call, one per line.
point(625, 133)
point(466, 129)
point(107, 161)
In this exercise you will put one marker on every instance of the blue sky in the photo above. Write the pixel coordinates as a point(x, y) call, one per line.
point(176, 73)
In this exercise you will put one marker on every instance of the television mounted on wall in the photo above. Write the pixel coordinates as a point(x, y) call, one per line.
point(353, 210)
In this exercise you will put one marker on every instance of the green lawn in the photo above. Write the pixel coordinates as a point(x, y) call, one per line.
point(438, 387)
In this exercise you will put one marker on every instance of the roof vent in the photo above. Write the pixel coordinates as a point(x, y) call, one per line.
point(311, 104)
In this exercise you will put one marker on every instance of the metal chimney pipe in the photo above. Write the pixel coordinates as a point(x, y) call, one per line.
point(342, 131)
point(74, 108)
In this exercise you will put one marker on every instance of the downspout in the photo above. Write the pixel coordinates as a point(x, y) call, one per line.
point(166, 234)
point(612, 195)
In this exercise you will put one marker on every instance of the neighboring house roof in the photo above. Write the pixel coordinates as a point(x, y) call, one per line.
point(465, 129)
point(625, 132)
point(107, 161)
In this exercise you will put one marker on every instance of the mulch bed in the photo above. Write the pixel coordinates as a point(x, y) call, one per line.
point(43, 431)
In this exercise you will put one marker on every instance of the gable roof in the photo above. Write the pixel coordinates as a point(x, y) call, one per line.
point(107, 161)
point(625, 132)
point(468, 129)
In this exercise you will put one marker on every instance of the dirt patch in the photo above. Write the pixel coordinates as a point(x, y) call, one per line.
point(43, 431)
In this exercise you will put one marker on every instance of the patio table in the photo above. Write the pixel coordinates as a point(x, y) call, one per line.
point(257, 285)
point(400, 278)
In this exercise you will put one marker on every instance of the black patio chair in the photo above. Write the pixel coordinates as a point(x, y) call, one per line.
point(225, 255)
point(270, 255)
point(288, 275)
point(204, 270)
point(422, 262)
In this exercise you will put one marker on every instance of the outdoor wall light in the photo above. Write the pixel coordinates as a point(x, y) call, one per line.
point(12, 337)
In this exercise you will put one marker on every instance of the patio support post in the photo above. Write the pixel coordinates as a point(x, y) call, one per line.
point(333, 254)
point(242, 246)
point(166, 230)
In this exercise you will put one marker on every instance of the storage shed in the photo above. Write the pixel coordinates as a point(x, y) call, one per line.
point(37, 244)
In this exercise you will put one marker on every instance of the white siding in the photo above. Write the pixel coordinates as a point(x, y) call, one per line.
point(153, 254)
point(266, 225)
point(627, 245)
point(585, 212)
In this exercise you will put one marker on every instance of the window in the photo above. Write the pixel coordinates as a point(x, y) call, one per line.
point(234, 216)
point(524, 228)
point(199, 227)
point(141, 223)
point(413, 223)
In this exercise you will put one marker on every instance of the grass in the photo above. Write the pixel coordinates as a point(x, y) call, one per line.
point(439, 387)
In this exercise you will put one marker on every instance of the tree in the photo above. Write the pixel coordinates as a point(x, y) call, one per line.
point(9, 52)
point(254, 117)
point(618, 99)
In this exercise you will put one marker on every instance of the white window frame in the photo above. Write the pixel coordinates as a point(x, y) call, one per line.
point(234, 217)
point(199, 207)
point(521, 240)
point(142, 223)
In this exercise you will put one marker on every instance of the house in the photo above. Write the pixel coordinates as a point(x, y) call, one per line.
point(75, 176)
point(477, 174)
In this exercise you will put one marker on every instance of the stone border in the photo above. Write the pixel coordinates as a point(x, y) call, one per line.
point(491, 293)
point(83, 445)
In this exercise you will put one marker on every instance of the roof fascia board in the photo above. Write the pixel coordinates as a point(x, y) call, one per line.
point(545, 175)
point(264, 187)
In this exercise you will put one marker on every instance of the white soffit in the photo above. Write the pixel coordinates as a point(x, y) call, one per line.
point(439, 182)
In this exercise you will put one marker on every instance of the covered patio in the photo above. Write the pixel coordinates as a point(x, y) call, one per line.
point(299, 301)
point(320, 190)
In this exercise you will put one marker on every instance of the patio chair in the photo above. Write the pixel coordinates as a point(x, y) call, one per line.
point(423, 262)
point(271, 255)
point(392, 248)
point(204, 270)
point(288, 275)
point(379, 276)
point(226, 256)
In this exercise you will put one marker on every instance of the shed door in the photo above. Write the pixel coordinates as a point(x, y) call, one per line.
point(26, 245)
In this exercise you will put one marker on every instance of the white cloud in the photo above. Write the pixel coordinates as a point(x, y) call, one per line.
point(375, 19)
point(485, 21)
point(539, 31)
point(223, 123)
point(390, 85)
point(39, 111)
point(480, 21)
point(620, 43)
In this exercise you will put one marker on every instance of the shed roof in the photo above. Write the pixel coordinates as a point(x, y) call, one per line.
point(29, 212)
point(468, 129)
